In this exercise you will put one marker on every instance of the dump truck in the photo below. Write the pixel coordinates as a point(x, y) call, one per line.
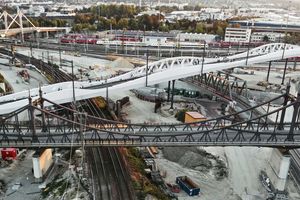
point(186, 184)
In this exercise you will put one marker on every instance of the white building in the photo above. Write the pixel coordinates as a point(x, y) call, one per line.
point(35, 11)
point(155, 40)
point(194, 37)
point(272, 37)
point(237, 35)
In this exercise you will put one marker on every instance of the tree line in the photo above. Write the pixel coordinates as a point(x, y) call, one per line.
point(104, 17)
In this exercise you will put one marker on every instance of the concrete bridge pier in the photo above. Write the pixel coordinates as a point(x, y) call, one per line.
point(172, 94)
point(169, 90)
point(269, 69)
point(295, 65)
point(279, 162)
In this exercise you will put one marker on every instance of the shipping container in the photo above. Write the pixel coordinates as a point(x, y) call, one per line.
point(186, 184)
point(9, 153)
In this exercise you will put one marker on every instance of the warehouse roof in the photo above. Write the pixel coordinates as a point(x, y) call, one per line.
point(195, 115)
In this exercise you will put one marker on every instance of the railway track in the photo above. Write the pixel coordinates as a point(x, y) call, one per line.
point(110, 179)
point(55, 74)
point(119, 180)
point(101, 187)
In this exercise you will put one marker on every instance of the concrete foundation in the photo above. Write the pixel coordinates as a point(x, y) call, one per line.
point(41, 160)
point(279, 168)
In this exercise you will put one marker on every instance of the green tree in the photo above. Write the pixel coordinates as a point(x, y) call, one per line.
point(220, 31)
point(164, 28)
point(122, 23)
point(266, 38)
point(132, 24)
point(200, 28)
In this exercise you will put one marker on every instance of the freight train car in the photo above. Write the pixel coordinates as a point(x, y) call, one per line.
point(186, 184)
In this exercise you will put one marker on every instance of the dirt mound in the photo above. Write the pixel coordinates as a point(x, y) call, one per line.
point(121, 63)
point(197, 159)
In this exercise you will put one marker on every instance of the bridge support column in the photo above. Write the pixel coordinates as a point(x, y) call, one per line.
point(172, 97)
point(269, 69)
point(118, 109)
point(32, 120)
point(290, 136)
point(279, 168)
point(169, 90)
point(44, 129)
point(284, 72)
point(286, 99)
point(295, 65)
point(5, 19)
point(21, 25)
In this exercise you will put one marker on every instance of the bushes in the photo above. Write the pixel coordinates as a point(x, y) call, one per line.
point(180, 115)
point(142, 185)
point(56, 187)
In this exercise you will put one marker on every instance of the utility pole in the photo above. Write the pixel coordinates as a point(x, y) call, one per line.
point(286, 26)
point(73, 85)
point(147, 62)
point(59, 50)
point(31, 55)
point(248, 50)
point(203, 57)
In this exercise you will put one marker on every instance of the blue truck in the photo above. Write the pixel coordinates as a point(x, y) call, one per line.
point(186, 184)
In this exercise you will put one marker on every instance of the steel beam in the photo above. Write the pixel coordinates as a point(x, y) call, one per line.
point(286, 99)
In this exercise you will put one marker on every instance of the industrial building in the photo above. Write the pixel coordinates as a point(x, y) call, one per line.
point(271, 37)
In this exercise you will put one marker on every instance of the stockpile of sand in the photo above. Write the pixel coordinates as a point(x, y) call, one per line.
point(120, 64)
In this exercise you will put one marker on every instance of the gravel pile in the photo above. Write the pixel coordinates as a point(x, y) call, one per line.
point(5, 163)
point(197, 159)
point(2, 188)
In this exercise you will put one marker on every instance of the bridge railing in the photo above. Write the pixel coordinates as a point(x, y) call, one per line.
point(101, 122)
